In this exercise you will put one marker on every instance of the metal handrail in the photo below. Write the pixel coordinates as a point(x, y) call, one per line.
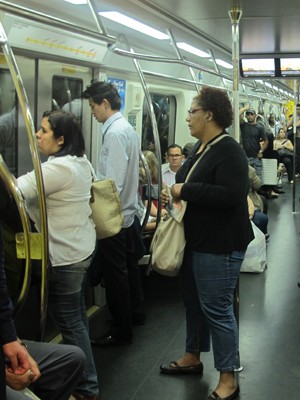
point(12, 187)
point(34, 15)
point(148, 176)
point(24, 104)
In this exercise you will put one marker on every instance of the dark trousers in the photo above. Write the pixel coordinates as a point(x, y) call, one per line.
point(261, 221)
point(288, 163)
point(116, 263)
point(61, 368)
point(2, 377)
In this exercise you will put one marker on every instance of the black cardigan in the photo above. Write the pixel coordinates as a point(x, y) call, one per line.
point(216, 219)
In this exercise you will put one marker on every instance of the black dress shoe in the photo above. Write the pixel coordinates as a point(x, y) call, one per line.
point(111, 341)
point(173, 368)
point(215, 396)
point(138, 319)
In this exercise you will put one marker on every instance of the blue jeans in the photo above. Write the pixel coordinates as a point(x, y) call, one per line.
point(261, 221)
point(208, 282)
point(68, 311)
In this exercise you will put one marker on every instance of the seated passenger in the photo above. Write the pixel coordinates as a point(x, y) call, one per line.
point(285, 149)
point(153, 169)
point(259, 218)
point(50, 370)
point(255, 184)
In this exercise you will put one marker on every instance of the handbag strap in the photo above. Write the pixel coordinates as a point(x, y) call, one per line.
point(94, 177)
point(205, 150)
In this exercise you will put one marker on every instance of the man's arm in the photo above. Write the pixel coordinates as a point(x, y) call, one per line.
point(242, 110)
point(264, 145)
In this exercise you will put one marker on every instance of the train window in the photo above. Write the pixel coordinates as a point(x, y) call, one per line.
point(66, 95)
point(165, 113)
point(8, 121)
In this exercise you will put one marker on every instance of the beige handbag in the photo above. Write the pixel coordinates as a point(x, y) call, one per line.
point(106, 208)
point(168, 243)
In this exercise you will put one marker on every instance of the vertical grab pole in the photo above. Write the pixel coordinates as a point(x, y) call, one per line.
point(23, 100)
point(155, 131)
point(295, 144)
point(235, 14)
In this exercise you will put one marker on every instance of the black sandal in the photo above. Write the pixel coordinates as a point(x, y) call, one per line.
point(215, 396)
point(173, 368)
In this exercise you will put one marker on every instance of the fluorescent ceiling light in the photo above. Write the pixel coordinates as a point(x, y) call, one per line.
point(133, 24)
point(193, 50)
point(76, 1)
point(224, 64)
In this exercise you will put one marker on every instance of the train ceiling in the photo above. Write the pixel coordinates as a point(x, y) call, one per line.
point(266, 26)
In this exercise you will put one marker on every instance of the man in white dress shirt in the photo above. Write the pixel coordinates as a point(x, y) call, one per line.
point(175, 158)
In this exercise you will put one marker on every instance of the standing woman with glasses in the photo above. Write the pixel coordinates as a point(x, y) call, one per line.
point(217, 231)
point(67, 180)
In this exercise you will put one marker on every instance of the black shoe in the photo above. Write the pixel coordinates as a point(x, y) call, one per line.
point(139, 319)
point(267, 236)
point(111, 341)
point(78, 396)
point(173, 368)
point(215, 396)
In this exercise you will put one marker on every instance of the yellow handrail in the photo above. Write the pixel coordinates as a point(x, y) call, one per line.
point(11, 186)
point(24, 104)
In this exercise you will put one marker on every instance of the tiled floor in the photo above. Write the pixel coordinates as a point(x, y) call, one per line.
point(269, 330)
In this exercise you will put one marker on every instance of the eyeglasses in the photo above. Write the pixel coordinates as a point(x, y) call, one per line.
point(174, 155)
point(249, 113)
point(192, 111)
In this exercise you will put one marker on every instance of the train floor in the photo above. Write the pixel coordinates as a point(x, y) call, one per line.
point(269, 327)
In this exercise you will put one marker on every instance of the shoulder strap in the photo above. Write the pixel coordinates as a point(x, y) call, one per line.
point(94, 177)
point(206, 149)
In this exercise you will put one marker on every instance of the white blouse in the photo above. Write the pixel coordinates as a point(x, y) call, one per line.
point(67, 182)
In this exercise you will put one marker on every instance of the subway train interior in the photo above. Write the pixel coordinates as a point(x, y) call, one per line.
point(50, 51)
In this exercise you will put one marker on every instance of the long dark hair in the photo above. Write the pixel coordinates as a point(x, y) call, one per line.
point(67, 125)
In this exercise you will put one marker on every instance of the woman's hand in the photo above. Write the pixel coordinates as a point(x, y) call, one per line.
point(176, 190)
point(164, 197)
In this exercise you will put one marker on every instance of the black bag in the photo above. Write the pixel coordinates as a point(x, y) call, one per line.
point(285, 153)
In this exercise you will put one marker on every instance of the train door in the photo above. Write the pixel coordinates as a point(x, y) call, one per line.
point(165, 113)
point(59, 87)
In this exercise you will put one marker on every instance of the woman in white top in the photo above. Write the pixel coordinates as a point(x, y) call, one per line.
point(67, 180)
point(285, 149)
